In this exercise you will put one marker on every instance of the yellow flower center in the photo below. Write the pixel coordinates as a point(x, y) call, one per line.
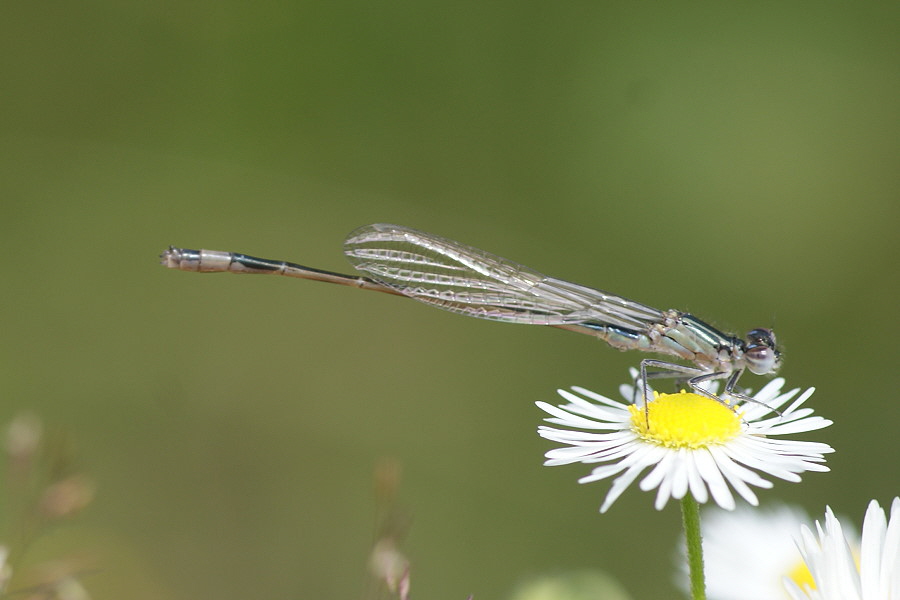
point(685, 420)
point(801, 576)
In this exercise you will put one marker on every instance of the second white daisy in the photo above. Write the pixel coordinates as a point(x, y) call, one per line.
point(692, 442)
point(837, 573)
point(748, 552)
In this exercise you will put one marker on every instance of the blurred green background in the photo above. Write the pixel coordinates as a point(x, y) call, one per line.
point(736, 161)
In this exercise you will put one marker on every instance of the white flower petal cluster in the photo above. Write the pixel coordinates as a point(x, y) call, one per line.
point(601, 431)
point(833, 566)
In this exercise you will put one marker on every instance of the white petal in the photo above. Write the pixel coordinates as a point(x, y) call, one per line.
point(890, 566)
point(738, 476)
point(643, 458)
point(659, 472)
point(698, 487)
point(679, 477)
point(663, 494)
point(870, 552)
point(708, 470)
point(567, 419)
point(800, 426)
point(589, 394)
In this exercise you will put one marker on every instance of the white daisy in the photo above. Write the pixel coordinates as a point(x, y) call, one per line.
point(692, 442)
point(747, 553)
point(836, 573)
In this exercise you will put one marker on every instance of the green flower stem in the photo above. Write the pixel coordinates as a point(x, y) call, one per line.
point(690, 511)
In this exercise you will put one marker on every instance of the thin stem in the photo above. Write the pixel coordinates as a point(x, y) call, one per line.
point(690, 511)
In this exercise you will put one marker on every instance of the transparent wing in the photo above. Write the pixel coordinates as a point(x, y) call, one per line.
point(472, 282)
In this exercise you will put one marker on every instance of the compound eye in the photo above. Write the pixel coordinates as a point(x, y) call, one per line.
point(761, 360)
point(765, 337)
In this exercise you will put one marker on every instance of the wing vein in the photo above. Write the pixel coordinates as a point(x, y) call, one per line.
point(472, 282)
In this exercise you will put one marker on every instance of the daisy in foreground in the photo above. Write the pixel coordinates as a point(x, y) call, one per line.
point(692, 443)
point(748, 552)
point(836, 572)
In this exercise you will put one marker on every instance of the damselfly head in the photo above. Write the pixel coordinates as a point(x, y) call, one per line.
point(760, 353)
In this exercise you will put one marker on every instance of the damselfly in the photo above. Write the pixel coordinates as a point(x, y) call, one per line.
point(462, 279)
